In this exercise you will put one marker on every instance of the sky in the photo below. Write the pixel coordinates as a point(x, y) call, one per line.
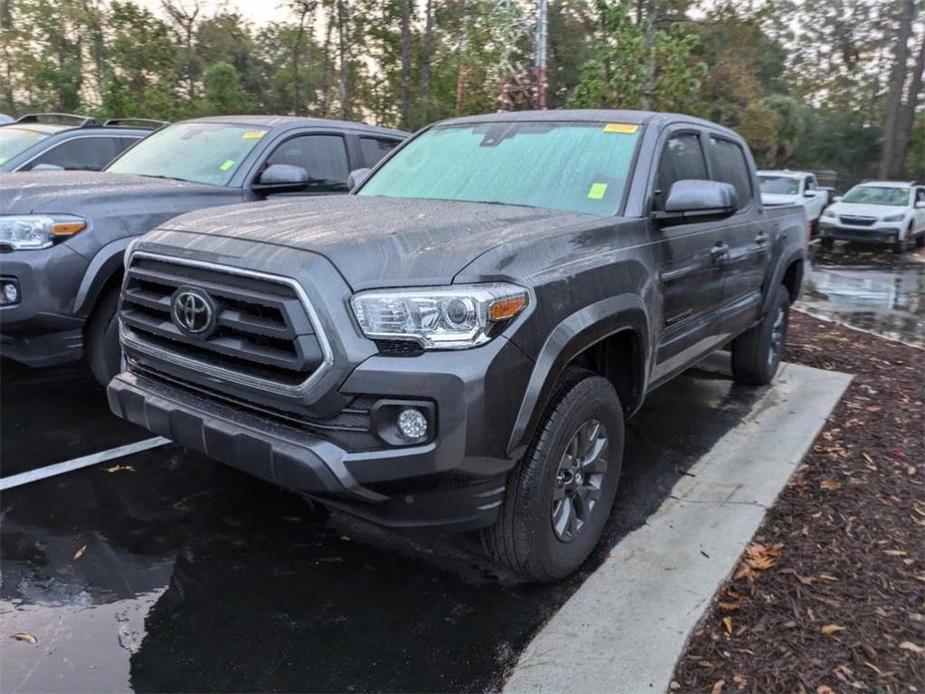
point(257, 11)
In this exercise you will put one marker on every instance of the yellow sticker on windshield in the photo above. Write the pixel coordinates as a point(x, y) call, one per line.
point(253, 134)
point(597, 191)
point(624, 128)
point(228, 163)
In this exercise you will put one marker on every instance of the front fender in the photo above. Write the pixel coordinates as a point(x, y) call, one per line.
point(106, 263)
point(569, 338)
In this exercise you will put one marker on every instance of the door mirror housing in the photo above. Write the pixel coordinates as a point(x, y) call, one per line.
point(282, 178)
point(356, 177)
point(698, 201)
point(809, 193)
point(920, 205)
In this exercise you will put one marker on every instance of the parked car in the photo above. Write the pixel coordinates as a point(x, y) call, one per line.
point(5, 118)
point(877, 212)
point(457, 344)
point(62, 141)
point(795, 188)
point(64, 234)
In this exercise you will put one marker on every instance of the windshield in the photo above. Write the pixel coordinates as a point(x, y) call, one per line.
point(878, 195)
point(779, 185)
point(198, 152)
point(15, 141)
point(579, 167)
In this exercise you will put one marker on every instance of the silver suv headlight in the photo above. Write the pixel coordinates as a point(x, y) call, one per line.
point(828, 212)
point(37, 231)
point(454, 317)
point(895, 217)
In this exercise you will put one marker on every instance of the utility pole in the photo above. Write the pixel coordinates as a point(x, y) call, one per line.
point(540, 62)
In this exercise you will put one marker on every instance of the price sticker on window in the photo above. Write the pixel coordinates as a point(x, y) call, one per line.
point(253, 134)
point(597, 191)
point(624, 128)
point(227, 164)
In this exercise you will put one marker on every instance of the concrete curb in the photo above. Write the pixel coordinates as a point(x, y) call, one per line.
point(625, 628)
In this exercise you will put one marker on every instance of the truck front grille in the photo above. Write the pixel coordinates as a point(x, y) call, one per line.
point(263, 329)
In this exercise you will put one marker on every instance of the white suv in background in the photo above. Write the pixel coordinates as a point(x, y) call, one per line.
point(882, 212)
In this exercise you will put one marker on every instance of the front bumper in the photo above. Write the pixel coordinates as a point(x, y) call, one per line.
point(454, 482)
point(42, 330)
point(871, 234)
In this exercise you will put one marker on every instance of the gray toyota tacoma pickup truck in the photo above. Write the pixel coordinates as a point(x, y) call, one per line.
point(457, 344)
point(63, 235)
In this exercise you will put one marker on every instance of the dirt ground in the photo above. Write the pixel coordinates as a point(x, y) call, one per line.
point(830, 595)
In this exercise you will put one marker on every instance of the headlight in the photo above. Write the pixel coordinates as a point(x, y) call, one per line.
point(895, 218)
point(35, 231)
point(456, 317)
point(827, 212)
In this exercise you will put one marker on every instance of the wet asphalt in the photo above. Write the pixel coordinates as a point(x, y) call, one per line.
point(165, 571)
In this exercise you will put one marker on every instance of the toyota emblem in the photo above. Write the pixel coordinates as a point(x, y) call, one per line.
point(192, 311)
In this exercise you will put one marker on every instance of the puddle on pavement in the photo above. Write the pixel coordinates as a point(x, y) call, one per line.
point(875, 291)
point(196, 577)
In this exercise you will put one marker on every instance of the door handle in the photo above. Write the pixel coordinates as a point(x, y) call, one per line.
point(761, 239)
point(719, 251)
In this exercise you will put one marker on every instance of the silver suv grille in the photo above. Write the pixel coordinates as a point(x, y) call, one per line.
point(264, 333)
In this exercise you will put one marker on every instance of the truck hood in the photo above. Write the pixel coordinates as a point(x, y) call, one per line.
point(867, 210)
point(781, 199)
point(79, 192)
point(377, 241)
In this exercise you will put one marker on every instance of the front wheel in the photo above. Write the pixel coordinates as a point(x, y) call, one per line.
point(560, 494)
point(102, 339)
point(756, 353)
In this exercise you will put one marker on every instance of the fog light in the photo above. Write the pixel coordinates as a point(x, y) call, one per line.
point(9, 293)
point(412, 424)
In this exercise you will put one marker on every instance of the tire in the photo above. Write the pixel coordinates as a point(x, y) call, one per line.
point(102, 339)
point(756, 353)
point(920, 240)
point(542, 486)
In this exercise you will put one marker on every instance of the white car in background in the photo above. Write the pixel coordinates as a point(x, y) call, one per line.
point(794, 188)
point(882, 212)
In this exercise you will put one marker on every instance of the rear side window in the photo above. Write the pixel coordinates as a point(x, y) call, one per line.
point(324, 157)
point(730, 166)
point(374, 149)
point(81, 154)
point(682, 159)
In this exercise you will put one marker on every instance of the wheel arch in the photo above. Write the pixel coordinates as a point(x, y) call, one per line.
point(609, 337)
point(105, 271)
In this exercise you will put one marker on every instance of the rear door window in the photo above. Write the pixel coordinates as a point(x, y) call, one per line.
point(81, 154)
point(730, 166)
point(682, 159)
point(375, 148)
point(324, 157)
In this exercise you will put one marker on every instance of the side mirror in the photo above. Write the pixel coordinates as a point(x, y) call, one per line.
point(920, 205)
point(699, 201)
point(47, 167)
point(282, 178)
point(809, 193)
point(837, 198)
point(356, 177)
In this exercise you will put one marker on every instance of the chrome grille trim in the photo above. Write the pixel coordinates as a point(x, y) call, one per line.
point(228, 375)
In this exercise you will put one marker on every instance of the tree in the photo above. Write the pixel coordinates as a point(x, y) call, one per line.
point(223, 93)
point(898, 123)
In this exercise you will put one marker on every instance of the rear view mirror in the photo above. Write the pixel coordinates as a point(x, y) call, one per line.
point(699, 201)
point(356, 177)
point(282, 177)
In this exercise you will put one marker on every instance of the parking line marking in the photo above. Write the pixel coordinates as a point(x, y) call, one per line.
point(78, 463)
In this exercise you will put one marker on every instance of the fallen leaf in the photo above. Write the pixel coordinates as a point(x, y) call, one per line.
point(739, 681)
point(914, 647)
point(830, 485)
point(120, 468)
point(727, 622)
point(831, 629)
point(874, 668)
point(895, 552)
point(80, 552)
point(718, 686)
point(728, 606)
point(824, 689)
point(28, 638)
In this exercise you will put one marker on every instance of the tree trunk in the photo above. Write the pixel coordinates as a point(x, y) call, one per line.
point(405, 63)
point(648, 89)
point(328, 68)
point(427, 50)
point(342, 38)
point(890, 153)
point(907, 114)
